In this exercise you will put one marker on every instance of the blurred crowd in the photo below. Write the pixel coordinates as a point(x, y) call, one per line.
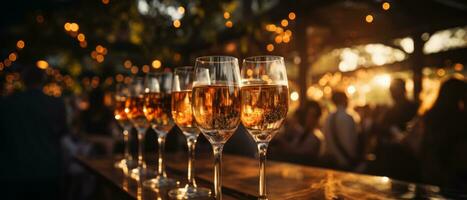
point(41, 134)
point(392, 141)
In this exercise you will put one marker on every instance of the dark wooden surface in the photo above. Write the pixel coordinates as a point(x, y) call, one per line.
point(284, 181)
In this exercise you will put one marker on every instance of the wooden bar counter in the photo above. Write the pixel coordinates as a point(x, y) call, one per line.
point(284, 181)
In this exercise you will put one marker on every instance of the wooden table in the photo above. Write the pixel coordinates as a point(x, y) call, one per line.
point(284, 181)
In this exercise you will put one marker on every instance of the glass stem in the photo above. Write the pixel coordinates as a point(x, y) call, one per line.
point(262, 150)
point(217, 150)
point(126, 152)
point(191, 142)
point(140, 149)
point(161, 165)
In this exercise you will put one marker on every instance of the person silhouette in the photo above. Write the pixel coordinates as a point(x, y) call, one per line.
point(31, 125)
point(444, 144)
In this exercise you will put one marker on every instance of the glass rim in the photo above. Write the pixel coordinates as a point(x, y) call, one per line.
point(158, 73)
point(184, 68)
point(207, 59)
point(263, 59)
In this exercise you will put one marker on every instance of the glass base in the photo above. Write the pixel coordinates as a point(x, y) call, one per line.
point(141, 173)
point(160, 182)
point(189, 192)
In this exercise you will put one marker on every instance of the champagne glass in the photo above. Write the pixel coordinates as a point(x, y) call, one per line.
point(134, 109)
point(122, 93)
point(216, 105)
point(264, 104)
point(158, 113)
point(182, 114)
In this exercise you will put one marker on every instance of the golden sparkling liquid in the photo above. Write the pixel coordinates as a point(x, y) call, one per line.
point(120, 114)
point(157, 111)
point(216, 109)
point(135, 107)
point(182, 113)
point(264, 108)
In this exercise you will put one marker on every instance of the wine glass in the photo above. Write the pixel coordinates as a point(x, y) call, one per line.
point(182, 114)
point(157, 110)
point(216, 105)
point(264, 104)
point(135, 111)
point(122, 93)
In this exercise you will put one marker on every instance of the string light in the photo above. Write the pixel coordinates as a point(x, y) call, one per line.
point(177, 23)
point(40, 19)
point(369, 18)
point(156, 64)
point(20, 44)
point(134, 69)
point(181, 10)
point(278, 39)
point(42, 64)
point(12, 56)
point(81, 37)
point(284, 23)
point(7, 62)
point(99, 48)
point(386, 6)
point(226, 15)
point(292, 16)
point(74, 27)
point(270, 47)
point(105, 2)
point(228, 24)
point(145, 68)
point(127, 64)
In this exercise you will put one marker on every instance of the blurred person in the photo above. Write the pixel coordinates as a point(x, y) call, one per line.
point(444, 144)
point(98, 123)
point(395, 120)
point(301, 141)
point(341, 135)
point(31, 127)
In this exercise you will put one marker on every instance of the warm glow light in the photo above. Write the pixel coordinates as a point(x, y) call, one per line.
point(228, 24)
point(94, 54)
point(67, 26)
point(177, 23)
point(271, 27)
point(181, 10)
point(294, 96)
point(20, 44)
point(119, 78)
point(386, 6)
point(7, 62)
point(383, 80)
point(288, 33)
point(40, 19)
point(12, 56)
point(284, 23)
point(351, 89)
point(441, 72)
point(226, 15)
point(292, 16)
point(458, 67)
point(99, 48)
point(369, 18)
point(145, 68)
point(81, 37)
point(134, 70)
point(42, 64)
point(270, 47)
point(100, 58)
point(105, 2)
point(74, 27)
point(384, 179)
point(156, 64)
point(127, 64)
point(279, 30)
point(1, 66)
point(278, 39)
point(286, 39)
